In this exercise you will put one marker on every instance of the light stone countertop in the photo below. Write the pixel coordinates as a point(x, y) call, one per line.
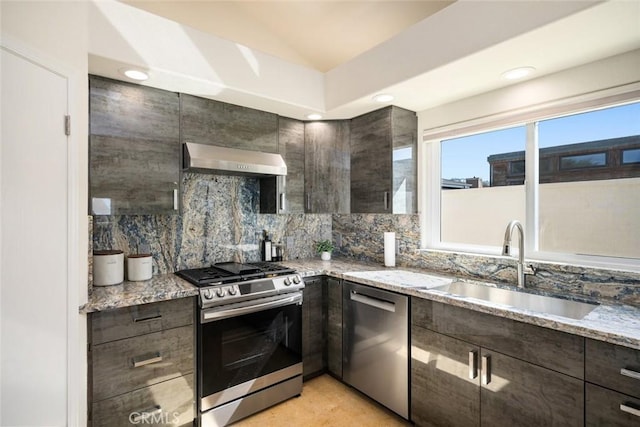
point(162, 287)
point(617, 324)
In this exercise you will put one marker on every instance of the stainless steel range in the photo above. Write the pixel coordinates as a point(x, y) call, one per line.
point(249, 338)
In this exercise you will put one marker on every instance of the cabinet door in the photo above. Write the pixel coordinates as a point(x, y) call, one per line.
point(334, 326)
point(445, 386)
point(286, 194)
point(313, 327)
point(613, 366)
point(169, 403)
point(134, 150)
point(205, 121)
point(517, 393)
point(609, 408)
point(404, 134)
point(371, 162)
point(327, 167)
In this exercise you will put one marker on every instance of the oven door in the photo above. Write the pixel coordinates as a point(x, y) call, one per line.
point(247, 347)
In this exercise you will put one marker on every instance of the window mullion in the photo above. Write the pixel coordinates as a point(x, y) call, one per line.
point(531, 188)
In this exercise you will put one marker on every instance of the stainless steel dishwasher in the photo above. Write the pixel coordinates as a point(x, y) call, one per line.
point(376, 345)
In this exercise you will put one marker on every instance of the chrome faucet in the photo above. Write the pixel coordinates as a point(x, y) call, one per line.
point(506, 249)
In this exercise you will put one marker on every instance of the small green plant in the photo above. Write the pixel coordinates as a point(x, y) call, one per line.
point(324, 246)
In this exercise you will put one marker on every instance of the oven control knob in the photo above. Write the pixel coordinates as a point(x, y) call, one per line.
point(287, 281)
point(207, 294)
point(221, 292)
point(296, 279)
point(232, 290)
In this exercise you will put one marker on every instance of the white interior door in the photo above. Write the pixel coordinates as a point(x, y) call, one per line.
point(34, 244)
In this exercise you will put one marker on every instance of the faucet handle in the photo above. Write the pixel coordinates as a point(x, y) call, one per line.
point(530, 269)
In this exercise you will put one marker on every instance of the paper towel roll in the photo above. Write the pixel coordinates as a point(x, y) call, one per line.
point(390, 249)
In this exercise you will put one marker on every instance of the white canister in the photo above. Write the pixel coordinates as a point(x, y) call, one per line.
point(139, 267)
point(108, 267)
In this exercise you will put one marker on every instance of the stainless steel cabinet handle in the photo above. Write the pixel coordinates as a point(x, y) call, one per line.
point(473, 364)
point(137, 416)
point(148, 318)
point(625, 407)
point(629, 373)
point(373, 302)
point(386, 200)
point(175, 199)
point(282, 202)
point(486, 370)
point(137, 362)
point(308, 201)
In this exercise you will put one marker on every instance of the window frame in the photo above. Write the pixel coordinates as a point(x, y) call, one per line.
point(430, 176)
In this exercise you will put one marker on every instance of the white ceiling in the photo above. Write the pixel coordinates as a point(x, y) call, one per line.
point(316, 34)
point(425, 53)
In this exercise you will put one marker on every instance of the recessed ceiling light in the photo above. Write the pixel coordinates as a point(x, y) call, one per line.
point(383, 97)
point(518, 73)
point(135, 74)
point(314, 116)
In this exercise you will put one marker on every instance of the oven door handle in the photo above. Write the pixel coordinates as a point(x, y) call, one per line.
point(208, 316)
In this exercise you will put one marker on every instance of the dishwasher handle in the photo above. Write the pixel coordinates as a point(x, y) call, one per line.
point(373, 301)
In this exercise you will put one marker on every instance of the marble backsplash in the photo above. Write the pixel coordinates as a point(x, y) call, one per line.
point(220, 222)
point(361, 237)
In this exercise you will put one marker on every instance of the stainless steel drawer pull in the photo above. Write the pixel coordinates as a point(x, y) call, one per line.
point(386, 200)
point(175, 199)
point(137, 362)
point(486, 370)
point(148, 318)
point(137, 416)
point(473, 364)
point(626, 407)
point(629, 373)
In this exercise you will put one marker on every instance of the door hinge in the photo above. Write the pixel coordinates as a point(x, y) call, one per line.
point(67, 125)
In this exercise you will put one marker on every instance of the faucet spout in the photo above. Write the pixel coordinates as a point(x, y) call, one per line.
point(506, 247)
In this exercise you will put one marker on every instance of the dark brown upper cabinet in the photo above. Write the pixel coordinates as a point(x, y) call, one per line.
point(134, 149)
point(205, 121)
point(285, 194)
point(327, 167)
point(383, 161)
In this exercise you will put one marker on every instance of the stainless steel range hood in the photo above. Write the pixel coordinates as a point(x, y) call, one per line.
point(231, 161)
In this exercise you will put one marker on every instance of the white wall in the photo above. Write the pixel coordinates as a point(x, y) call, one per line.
point(55, 33)
point(596, 76)
point(204, 65)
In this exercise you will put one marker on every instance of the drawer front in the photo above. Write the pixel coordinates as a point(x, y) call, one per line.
point(603, 408)
point(169, 403)
point(551, 349)
point(141, 319)
point(613, 366)
point(126, 365)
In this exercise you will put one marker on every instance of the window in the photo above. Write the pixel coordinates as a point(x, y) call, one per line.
point(631, 156)
point(581, 161)
point(582, 205)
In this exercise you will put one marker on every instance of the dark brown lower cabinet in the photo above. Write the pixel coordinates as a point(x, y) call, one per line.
point(442, 392)
point(458, 383)
point(334, 327)
point(609, 408)
point(518, 393)
point(314, 327)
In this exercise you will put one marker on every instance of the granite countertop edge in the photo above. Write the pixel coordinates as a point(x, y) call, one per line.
point(616, 324)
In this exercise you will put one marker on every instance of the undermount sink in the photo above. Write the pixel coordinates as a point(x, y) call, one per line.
point(543, 304)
